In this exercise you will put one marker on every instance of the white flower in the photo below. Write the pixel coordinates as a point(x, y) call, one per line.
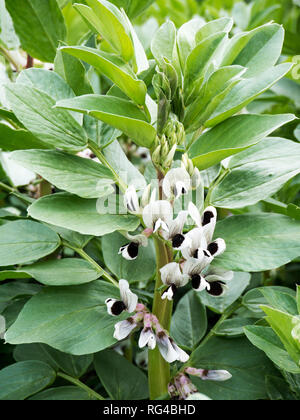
point(128, 300)
point(176, 183)
point(131, 200)
point(147, 336)
point(196, 179)
point(172, 276)
point(217, 278)
point(198, 396)
point(158, 215)
point(205, 224)
point(130, 251)
point(193, 269)
point(169, 349)
point(165, 347)
point(216, 375)
point(209, 375)
point(197, 246)
point(175, 232)
point(124, 328)
point(182, 356)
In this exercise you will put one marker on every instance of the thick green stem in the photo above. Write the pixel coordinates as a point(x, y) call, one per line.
point(158, 368)
point(81, 385)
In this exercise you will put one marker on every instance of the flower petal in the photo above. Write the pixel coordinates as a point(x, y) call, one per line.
point(216, 375)
point(130, 299)
point(196, 240)
point(124, 328)
point(147, 338)
point(131, 200)
point(217, 247)
point(165, 347)
point(176, 182)
point(176, 226)
point(171, 274)
point(195, 214)
point(209, 220)
point(182, 356)
point(158, 210)
point(130, 251)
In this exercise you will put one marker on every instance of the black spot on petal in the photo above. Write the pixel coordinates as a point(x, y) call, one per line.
point(118, 307)
point(174, 289)
point(133, 250)
point(177, 240)
point(207, 216)
point(216, 288)
point(213, 248)
point(196, 281)
point(196, 254)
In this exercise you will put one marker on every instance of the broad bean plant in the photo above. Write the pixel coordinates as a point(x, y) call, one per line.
point(150, 219)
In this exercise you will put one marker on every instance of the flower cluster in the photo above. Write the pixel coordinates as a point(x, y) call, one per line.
point(182, 388)
point(152, 333)
point(197, 246)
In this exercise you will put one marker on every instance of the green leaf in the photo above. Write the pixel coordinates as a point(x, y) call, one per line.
point(74, 213)
point(199, 60)
point(108, 21)
point(46, 81)
point(7, 35)
point(117, 112)
point(84, 177)
point(233, 327)
point(186, 38)
point(124, 269)
point(266, 340)
point(65, 272)
point(164, 45)
point(118, 160)
point(219, 84)
point(189, 322)
point(20, 139)
point(55, 127)
point(283, 324)
point(258, 242)
point(223, 24)
point(73, 72)
point(258, 50)
point(62, 393)
point(257, 173)
point(278, 389)
point(21, 380)
point(134, 7)
point(17, 289)
point(74, 366)
point(70, 319)
point(280, 300)
point(236, 287)
point(254, 298)
point(233, 136)
point(113, 68)
point(23, 241)
point(121, 379)
point(245, 92)
point(298, 298)
point(39, 25)
point(247, 365)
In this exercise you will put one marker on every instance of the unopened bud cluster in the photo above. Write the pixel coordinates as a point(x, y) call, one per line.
point(166, 144)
